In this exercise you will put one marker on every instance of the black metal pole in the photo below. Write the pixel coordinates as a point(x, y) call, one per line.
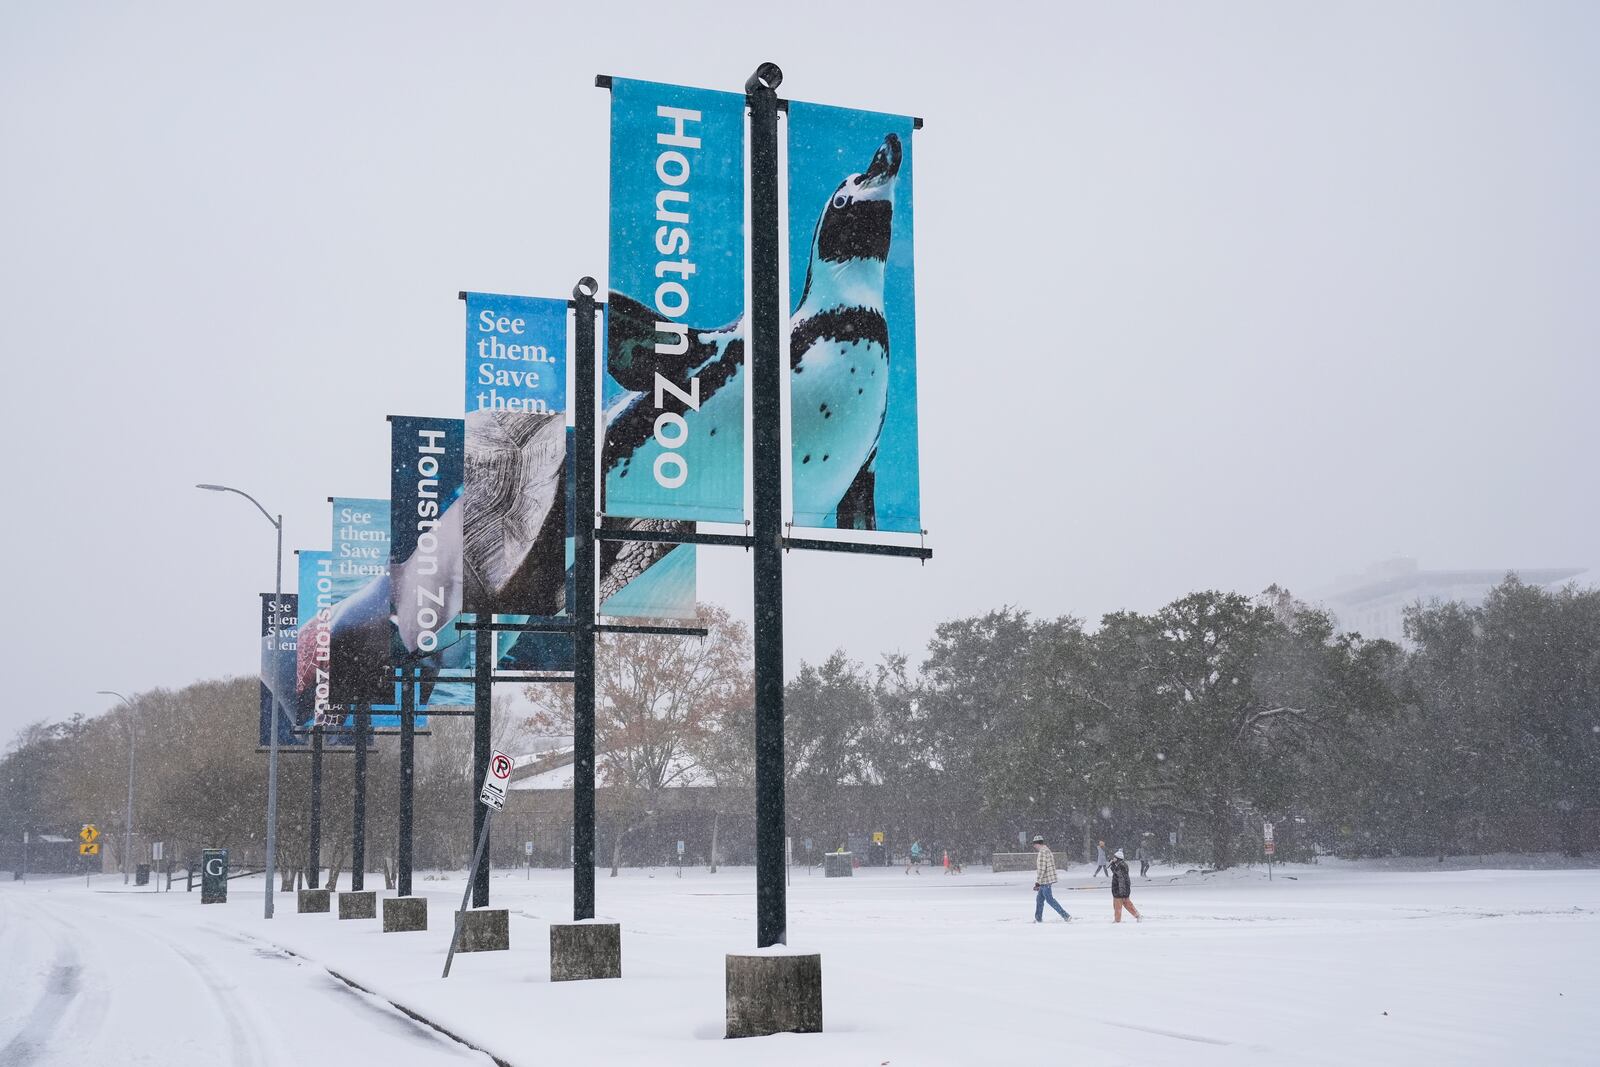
point(766, 458)
point(483, 692)
point(583, 612)
point(314, 851)
point(358, 818)
point(408, 751)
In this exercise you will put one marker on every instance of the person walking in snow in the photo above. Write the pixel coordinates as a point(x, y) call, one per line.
point(1100, 858)
point(1144, 860)
point(916, 857)
point(1121, 889)
point(1044, 877)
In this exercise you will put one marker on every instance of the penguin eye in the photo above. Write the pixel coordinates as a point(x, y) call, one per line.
point(840, 201)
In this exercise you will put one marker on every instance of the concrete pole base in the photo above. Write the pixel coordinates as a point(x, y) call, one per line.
point(313, 900)
point(363, 905)
point(404, 914)
point(485, 930)
point(585, 950)
point(774, 995)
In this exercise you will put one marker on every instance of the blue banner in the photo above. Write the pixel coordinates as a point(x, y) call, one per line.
point(426, 480)
point(360, 665)
point(514, 518)
point(516, 354)
point(673, 393)
point(647, 580)
point(852, 347)
point(279, 629)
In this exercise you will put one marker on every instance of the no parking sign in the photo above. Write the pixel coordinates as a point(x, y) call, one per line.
point(494, 783)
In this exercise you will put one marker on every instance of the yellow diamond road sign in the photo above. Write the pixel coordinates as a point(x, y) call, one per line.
point(88, 833)
point(88, 849)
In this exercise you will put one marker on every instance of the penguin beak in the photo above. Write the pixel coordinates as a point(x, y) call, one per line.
point(885, 162)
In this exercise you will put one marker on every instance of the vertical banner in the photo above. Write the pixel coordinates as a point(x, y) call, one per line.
point(516, 651)
point(516, 354)
point(852, 345)
point(515, 516)
point(644, 580)
point(312, 705)
point(673, 393)
point(279, 628)
point(359, 627)
point(426, 479)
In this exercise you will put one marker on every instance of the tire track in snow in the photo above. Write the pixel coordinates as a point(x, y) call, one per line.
point(409, 1022)
point(65, 999)
point(244, 1035)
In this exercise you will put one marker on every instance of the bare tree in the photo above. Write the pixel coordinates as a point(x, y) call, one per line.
point(662, 704)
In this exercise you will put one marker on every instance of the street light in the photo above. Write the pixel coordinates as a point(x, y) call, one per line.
point(272, 732)
point(127, 828)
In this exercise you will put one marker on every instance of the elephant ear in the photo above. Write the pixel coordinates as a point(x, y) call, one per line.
point(631, 339)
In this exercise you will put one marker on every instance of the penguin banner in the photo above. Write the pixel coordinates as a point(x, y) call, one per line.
point(279, 627)
point(515, 517)
point(359, 627)
point(852, 344)
point(426, 461)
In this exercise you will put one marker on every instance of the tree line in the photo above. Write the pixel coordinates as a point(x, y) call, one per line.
point(1182, 729)
point(1217, 713)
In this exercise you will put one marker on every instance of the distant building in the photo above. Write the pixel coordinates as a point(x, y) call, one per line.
point(1373, 603)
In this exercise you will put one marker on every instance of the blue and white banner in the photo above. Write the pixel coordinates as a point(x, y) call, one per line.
point(852, 345)
point(426, 479)
point(514, 517)
point(360, 665)
point(516, 354)
point(647, 580)
point(674, 390)
point(312, 656)
point(279, 629)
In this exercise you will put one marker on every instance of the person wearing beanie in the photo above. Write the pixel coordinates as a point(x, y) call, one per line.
point(1044, 878)
point(1121, 889)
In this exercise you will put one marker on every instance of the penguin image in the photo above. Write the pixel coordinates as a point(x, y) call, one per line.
point(839, 349)
point(839, 367)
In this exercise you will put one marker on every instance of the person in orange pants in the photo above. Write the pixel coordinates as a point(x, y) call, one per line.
point(1121, 889)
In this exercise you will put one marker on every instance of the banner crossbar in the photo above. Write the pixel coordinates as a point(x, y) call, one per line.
point(603, 81)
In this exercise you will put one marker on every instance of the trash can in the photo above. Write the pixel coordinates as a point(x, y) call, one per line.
point(141, 874)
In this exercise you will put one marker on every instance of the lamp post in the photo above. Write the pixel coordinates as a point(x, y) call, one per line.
point(272, 732)
point(127, 827)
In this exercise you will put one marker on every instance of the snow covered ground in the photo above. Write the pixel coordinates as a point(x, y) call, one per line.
point(1388, 962)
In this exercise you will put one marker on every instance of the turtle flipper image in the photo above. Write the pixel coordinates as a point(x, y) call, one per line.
point(514, 552)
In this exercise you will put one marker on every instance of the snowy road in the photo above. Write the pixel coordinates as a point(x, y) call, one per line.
point(1334, 964)
point(102, 978)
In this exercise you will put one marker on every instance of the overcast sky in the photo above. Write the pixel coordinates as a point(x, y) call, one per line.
point(1209, 295)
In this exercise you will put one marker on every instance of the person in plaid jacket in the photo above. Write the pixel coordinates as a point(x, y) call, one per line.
point(1044, 878)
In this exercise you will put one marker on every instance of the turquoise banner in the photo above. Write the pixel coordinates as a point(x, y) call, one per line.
point(516, 353)
point(673, 392)
point(514, 517)
point(360, 665)
point(853, 338)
